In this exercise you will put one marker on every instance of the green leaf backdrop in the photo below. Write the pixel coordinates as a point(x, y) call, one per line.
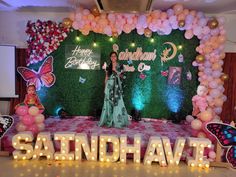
point(152, 95)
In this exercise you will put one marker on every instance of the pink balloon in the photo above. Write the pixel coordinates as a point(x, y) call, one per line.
point(197, 30)
point(86, 12)
point(28, 119)
point(218, 110)
point(127, 28)
point(224, 98)
point(212, 154)
point(213, 84)
point(140, 31)
point(216, 74)
point(206, 116)
point(33, 110)
point(78, 16)
point(20, 127)
point(189, 118)
point(188, 34)
point(22, 110)
point(142, 20)
point(201, 135)
point(194, 63)
point(33, 128)
point(163, 15)
point(111, 17)
point(85, 32)
point(107, 30)
point(214, 93)
point(202, 22)
point(39, 118)
point(196, 124)
point(178, 8)
point(41, 126)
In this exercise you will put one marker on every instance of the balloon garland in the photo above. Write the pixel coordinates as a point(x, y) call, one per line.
point(209, 31)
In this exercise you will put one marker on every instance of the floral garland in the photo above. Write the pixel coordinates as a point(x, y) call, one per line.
point(44, 37)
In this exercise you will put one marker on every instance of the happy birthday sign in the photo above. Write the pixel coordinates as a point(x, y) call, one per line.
point(158, 150)
point(82, 57)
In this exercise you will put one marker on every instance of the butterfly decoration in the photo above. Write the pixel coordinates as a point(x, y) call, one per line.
point(82, 80)
point(130, 62)
point(189, 75)
point(181, 58)
point(164, 73)
point(226, 136)
point(43, 77)
point(5, 124)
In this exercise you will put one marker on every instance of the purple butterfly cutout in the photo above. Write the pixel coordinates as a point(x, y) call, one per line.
point(226, 136)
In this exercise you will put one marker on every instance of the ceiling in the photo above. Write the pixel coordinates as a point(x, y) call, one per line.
point(207, 6)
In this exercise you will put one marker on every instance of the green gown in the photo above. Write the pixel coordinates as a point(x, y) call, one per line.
point(114, 113)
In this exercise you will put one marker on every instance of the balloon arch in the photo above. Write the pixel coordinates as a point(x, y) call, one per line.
point(209, 30)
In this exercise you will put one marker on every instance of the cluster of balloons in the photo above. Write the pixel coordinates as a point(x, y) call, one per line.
point(208, 30)
point(31, 119)
point(199, 124)
point(162, 22)
point(199, 129)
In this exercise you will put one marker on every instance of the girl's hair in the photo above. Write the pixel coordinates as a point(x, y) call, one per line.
point(113, 53)
point(31, 85)
point(109, 68)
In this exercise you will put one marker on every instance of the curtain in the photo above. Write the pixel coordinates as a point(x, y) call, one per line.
point(229, 108)
point(21, 56)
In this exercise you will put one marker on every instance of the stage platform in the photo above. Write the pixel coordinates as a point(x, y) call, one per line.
point(84, 124)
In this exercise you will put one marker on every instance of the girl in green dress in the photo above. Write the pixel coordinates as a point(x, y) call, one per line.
point(114, 113)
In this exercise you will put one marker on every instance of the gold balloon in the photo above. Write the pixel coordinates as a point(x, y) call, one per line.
point(95, 11)
point(147, 32)
point(213, 23)
point(224, 77)
point(114, 34)
point(181, 23)
point(67, 22)
point(200, 58)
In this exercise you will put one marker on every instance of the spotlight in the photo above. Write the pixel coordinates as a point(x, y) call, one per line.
point(136, 115)
point(111, 39)
point(176, 117)
point(94, 44)
point(62, 113)
point(77, 38)
point(96, 114)
point(132, 44)
point(180, 47)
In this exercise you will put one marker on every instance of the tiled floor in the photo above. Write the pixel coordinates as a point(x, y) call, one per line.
point(43, 168)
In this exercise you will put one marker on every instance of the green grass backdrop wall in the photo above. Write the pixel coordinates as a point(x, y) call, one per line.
point(153, 95)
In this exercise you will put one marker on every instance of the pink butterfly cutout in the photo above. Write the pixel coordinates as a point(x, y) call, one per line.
point(43, 77)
